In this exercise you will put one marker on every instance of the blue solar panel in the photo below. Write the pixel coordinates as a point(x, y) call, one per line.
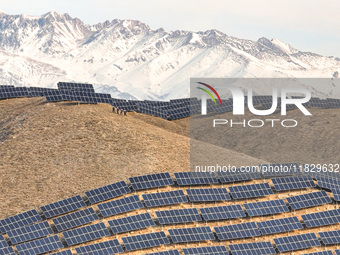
point(39, 246)
point(145, 241)
point(208, 195)
point(19, 220)
point(7, 251)
point(103, 248)
point(31, 232)
point(187, 235)
point(75, 219)
point(330, 237)
point(321, 218)
point(266, 207)
point(337, 252)
point(195, 178)
point(269, 170)
point(107, 192)
point(222, 212)
point(63, 206)
point(165, 198)
point(131, 223)
point(236, 177)
point(308, 200)
point(293, 182)
point(119, 206)
point(65, 252)
point(3, 242)
point(85, 234)
point(171, 252)
point(216, 250)
point(242, 230)
point(297, 242)
point(260, 248)
point(178, 216)
point(151, 181)
point(249, 191)
point(279, 225)
point(328, 183)
point(336, 194)
point(320, 253)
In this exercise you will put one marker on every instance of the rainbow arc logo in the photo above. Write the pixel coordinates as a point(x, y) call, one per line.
point(209, 93)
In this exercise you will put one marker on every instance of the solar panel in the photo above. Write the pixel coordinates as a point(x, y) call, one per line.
point(242, 230)
point(284, 169)
point(150, 110)
point(131, 223)
point(119, 206)
point(279, 225)
point(145, 241)
point(151, 181)
point(208, 195)
point(237, 177)
point(75, 219)
point(19, 220)
point(165, 198)
point(104, 248)
point(336, 194)
point(266, 207)
point(320, 253)
point(259, 248)
point(7, 251)
point(328, 183)
point(178, 216)
point(72, 86)
point(293, 182)
point(333, 103)
point(308, 200)
point(171, 252)
point(65, 252)
point(53, 96)
point(222, 212)
point(63, 206)
point(85, 234)
point(321, 218)
point(216, 250)
point(251, 190)
point(186, 235)
point(3, 242)
point(195, 178)
point(337, 252)
point(330, 237)
point(31, 232)
point(39, 246)
point(297, 242)
point(107, 192)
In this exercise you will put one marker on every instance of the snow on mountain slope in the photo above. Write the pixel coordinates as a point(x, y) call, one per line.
point(129, 59)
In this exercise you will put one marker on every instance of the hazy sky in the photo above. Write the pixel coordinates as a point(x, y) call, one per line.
point(308, 25)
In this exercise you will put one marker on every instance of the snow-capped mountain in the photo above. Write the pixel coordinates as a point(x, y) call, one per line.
point(129, 59)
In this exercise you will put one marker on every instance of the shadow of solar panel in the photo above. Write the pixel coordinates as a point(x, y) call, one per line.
point(222, 212)
point(208, 195)
point(107, 192)
point(178, 216)
point(279, 225)
point(293, 182)
point(186, 235)
point(324, 218)
point(39, 246)
point(297, 242)
point(195, 178)
point(171, 252)
point(320, 253)
point(237, 177)
point(63, 206)
point(328, 183)
point(151, 181)
point(119, 206)
point(103, 248)
point(308, 200)
point(260, 248)
point(330, 237)
point(131, 223)
point(66, 252)
point(3, 242)
point(31, 232)
point(144, 241)
point(165, 198)
point(251, 190)
point(19, 220)
point(284, 169)
point(75, 219)
point(216, 250)
point(336, 194)
point(85, 234)
point(7, 251)
point(242, 230)
point(266, 207)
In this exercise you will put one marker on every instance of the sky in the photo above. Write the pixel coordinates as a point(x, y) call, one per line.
point(308, 25)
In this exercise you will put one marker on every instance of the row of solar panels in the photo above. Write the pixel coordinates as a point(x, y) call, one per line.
point(181, 235)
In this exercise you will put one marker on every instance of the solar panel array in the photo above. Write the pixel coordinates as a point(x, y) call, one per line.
point(222, 212)
point(279, 225)
point(3, 242)
point(119, 206)
point(195, 178)
point(131, 223)
point(293, 182)
point(237, 177)
point(171, 252)
point(63, 206)
point(297, 242)
point(7, 251)
point(266, 207)
point(65, 252)
point(151, 181)
point(178, 216)
point(186, 235)
point(237, 231)
point(324, 218)
point(330, 237)
point(165, 198)
point(336, 194)
point(260, 248)
point(19, 220)
point(31, 232)
point(320, 253)
point(144, 241)
point(208, 195)
point(308, 200)
point(104, 248)
point(251, 190)
point(216, 250)
point(39, 246)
